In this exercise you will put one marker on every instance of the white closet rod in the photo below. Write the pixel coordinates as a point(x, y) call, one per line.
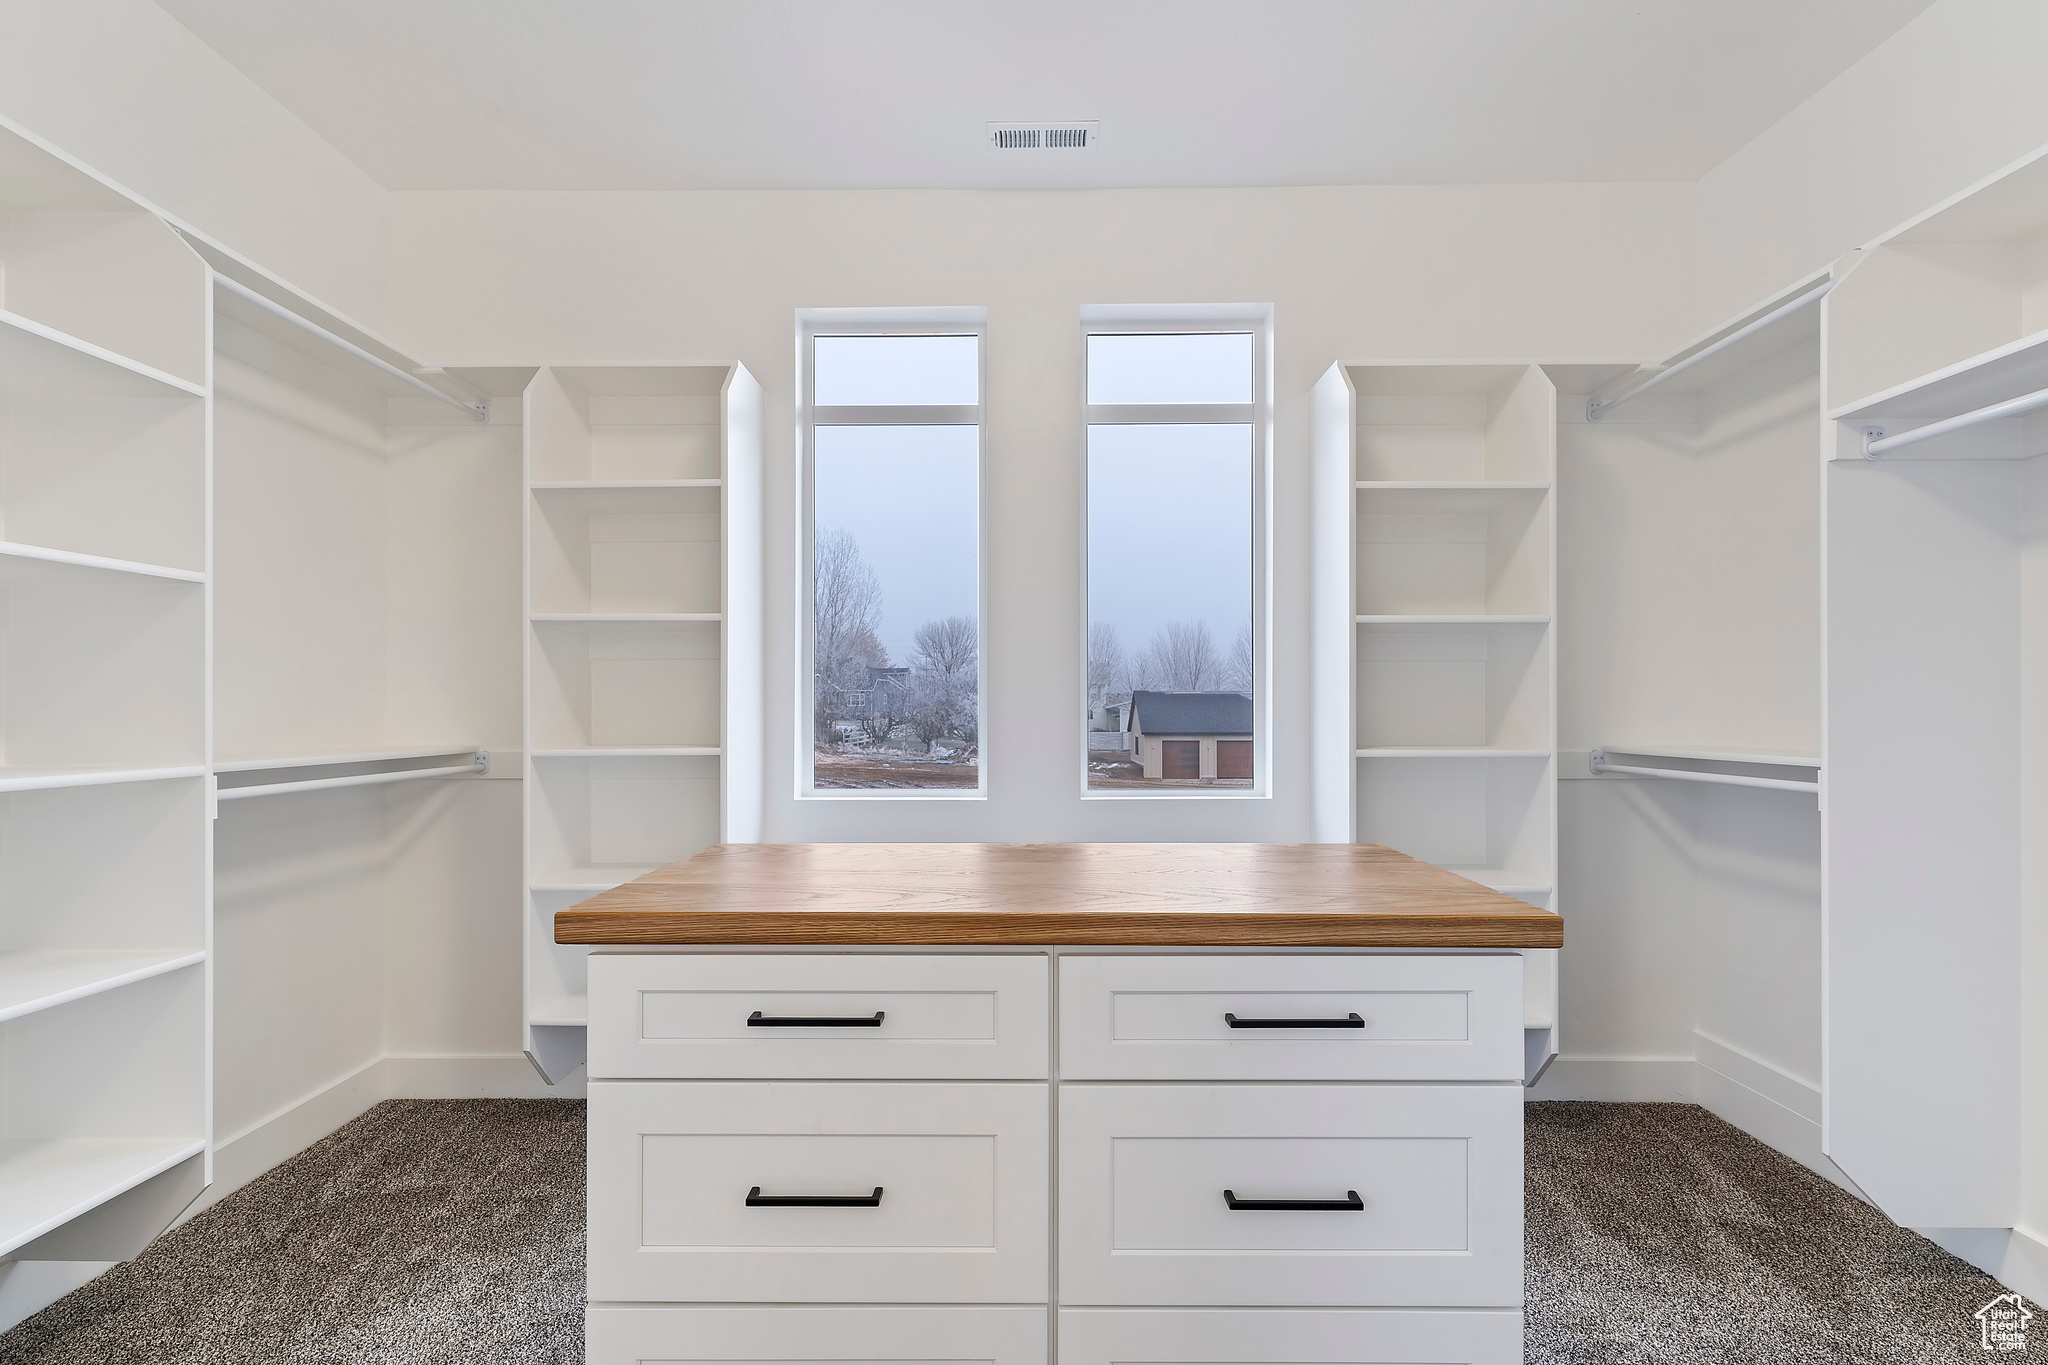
point(1876, 443)
point(480, 412)
point(1596, 408)
point(480, 764)
point(1598, 762)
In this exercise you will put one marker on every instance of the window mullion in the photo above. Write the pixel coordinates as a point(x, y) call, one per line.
point(1171, 414)
point(878, 415)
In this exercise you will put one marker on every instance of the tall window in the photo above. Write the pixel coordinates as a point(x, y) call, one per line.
point(1175, 435)
point(892, 420)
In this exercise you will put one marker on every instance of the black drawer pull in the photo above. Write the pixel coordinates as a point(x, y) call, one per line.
point(760, 1020)
point(1351, 1203)
point(758, 1200)
point(1348, 1021)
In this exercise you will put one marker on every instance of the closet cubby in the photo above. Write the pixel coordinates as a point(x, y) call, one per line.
point(1454, 686)
point(1479, 551)
point(1487, 818)
point(1459, 424)
point(643, 646)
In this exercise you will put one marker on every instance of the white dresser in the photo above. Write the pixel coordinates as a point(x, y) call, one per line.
point(1013, 1154)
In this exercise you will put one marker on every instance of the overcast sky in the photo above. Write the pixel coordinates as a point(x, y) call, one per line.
point(1170, 507)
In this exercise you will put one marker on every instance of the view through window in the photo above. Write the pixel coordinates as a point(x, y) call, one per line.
point(1172, 470)
point(895, 444)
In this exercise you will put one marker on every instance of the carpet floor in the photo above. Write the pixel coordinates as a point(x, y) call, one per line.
point(432, 1232)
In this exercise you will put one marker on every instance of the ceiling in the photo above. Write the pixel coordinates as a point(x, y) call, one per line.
point(704, 94)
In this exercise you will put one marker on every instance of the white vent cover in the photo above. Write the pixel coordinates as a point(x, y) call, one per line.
point(1043, 137)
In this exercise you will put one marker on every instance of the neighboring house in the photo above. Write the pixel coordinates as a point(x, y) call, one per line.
point(884, 686)
point(1107, 712)
point(1192, 736)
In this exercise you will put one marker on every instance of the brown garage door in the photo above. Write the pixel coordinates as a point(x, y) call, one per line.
point(1180, 758)
point(1234, 758)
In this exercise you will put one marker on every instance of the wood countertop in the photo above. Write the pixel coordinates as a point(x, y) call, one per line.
point(1188, 895)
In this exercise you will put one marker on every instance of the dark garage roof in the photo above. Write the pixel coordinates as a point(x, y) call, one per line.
point(1191, 713)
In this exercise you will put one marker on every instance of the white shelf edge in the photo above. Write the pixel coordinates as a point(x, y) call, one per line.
point(1446, 619)
point(50, 779)
point(1864, 407)
point(333, 760)
point(635, 751)
point(571, 617)
point(1450, 751)
point(137, 965)
point(1699, 755)
point(42, 554)
point(1507, 880)
point(1450, 486)
point(150, 1157)
point(583, 878)
point(100, 353)
point(619, 485)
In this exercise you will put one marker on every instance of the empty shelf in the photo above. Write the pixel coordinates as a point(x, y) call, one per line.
point(569, 1010)
point(333, 760)
point(1462, 751)
point(602, 877)
point(1454, 620)
point(2016, 368)
point(635, 751)
point(43, 978)
point(46, 1182)
point(579, 617)
point(1708, 755)
point(45, 779)
point(39, 362)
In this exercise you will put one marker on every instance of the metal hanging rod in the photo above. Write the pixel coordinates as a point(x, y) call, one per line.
point(1599, 764)
point(1596, 408)
point(1876, 443)
point(480, 764)
point(480, 412)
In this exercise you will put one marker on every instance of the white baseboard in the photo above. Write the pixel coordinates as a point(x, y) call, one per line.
point(28, 1287)
point(1616, 1080)
point(2016, 1257)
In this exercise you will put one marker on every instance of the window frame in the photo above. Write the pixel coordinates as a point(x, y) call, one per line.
point(813, 323)
point(1257, 319)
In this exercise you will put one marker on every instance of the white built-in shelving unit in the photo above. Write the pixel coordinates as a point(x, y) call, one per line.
point(643, 646)
point(105, 926)
point(1937, 631)
point(1435, 644)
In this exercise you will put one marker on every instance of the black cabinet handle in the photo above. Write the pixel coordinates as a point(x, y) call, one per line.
point(1351, 1203)
point(1348, 1021)
point(760, 1020)
point(758, 1200)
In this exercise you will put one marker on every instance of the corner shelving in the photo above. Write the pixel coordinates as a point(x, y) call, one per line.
point(643, 649)
point(1435, 667)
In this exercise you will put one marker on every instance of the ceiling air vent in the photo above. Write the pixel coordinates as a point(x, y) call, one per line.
point(1043, 137)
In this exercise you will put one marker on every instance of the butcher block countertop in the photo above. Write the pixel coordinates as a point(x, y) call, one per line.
point(1183, 895)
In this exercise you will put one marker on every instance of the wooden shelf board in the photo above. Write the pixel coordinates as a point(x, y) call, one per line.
point(1474, 751)
point(41, 362)
point(31, 779)
point(46, 1182)
point(634, 751)
point(338, 759)
point(1993, 376)
point(572, 1010)
point(43, 978)
point(584, 617)
point(38, 564)
point(602, 877)
point(1453, 620)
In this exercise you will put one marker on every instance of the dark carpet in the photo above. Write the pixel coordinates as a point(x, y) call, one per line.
point(430, 1232)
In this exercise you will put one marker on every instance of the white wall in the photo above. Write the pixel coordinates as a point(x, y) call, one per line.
point(125, 88)
point(1447, 272)
point(1950, 98)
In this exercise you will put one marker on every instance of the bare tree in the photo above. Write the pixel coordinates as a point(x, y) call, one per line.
point(1108, 669)
point(848, 607)
point(1237, 674)
point(944, 679)
point(946, 647)
point(1182, 658)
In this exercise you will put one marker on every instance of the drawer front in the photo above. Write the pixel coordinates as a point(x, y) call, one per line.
point(813, 1336)
point(1393, 1018)
point(702, 1193)
point(717, 1016)
point(1113, 1336)
point(1415, 1195)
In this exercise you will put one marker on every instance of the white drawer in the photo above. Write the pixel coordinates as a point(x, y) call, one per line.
point(1386, 1017)
point(813, 1336)
point(1164, 1336)
point(675, 1170)
point(1437, 1171)
point(716, 1016)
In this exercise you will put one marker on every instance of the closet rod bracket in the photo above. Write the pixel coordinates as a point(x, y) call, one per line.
point(1870, 434)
